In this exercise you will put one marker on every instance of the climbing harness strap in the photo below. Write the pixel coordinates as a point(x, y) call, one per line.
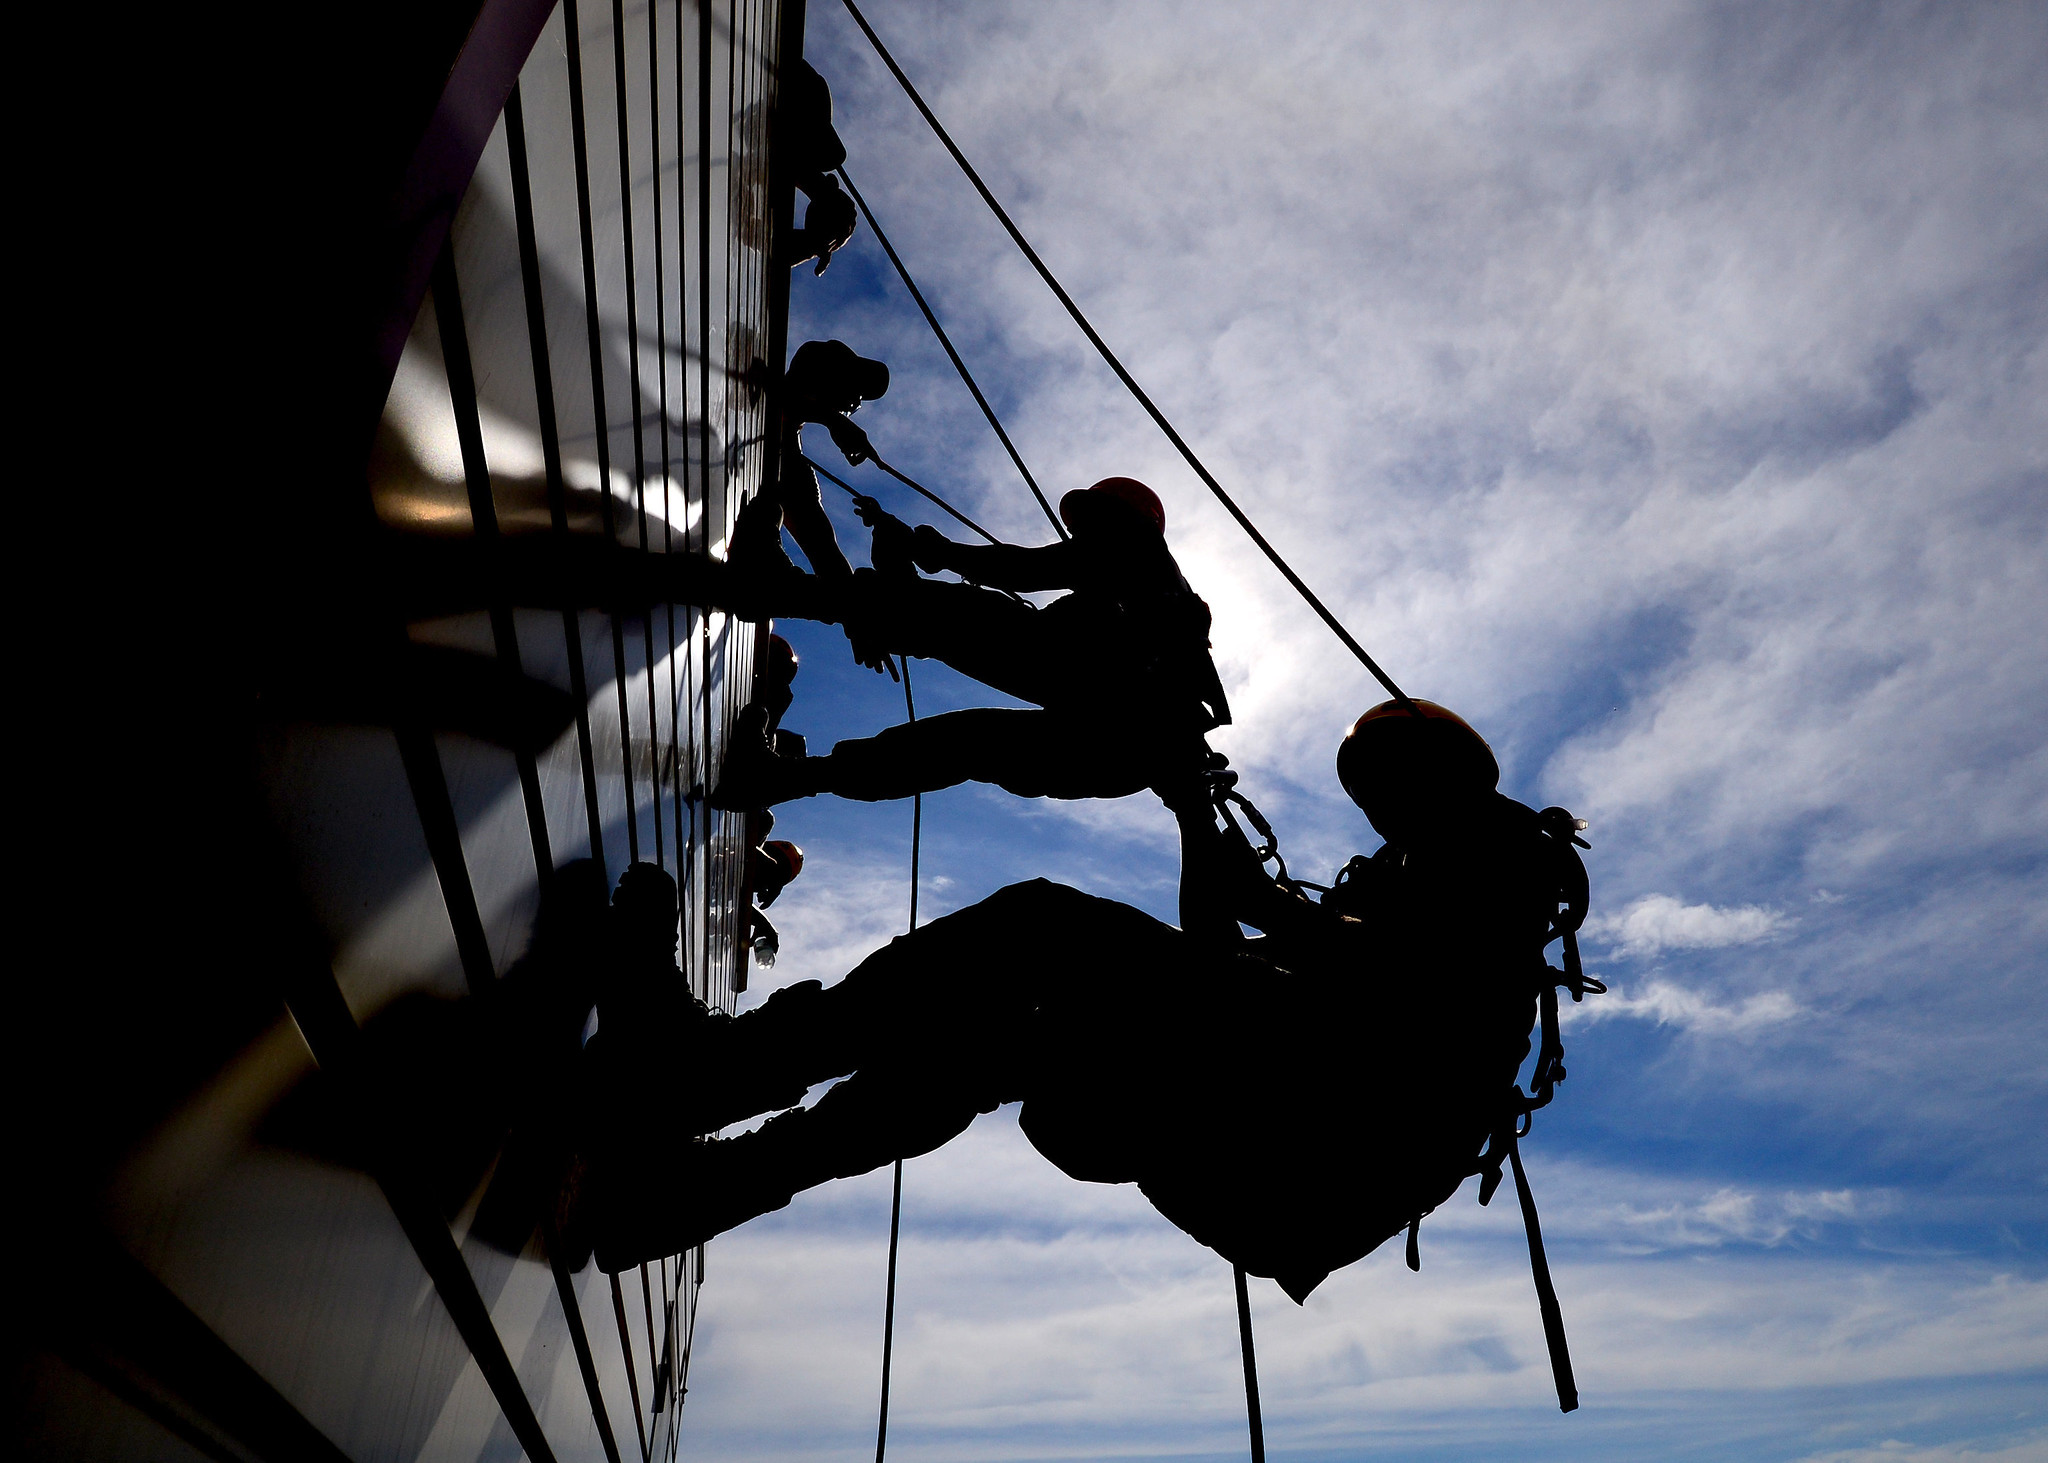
point(1504, 1144)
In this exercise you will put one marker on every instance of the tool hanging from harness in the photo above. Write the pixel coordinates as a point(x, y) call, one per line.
point(1570, 891)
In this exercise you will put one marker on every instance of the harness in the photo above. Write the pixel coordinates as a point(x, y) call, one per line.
point(1568, 897)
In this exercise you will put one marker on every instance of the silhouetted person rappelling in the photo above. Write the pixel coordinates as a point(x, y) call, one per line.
point(825, 383)
point(1120, 665)
point(1291, 1100)
point(808, 144)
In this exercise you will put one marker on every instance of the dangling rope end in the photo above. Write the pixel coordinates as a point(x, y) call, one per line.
point(1546, 1293)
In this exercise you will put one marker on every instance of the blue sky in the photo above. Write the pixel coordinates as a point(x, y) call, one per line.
point(1661, 386)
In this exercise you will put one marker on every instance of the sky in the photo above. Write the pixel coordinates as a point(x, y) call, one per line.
point(1661, 386)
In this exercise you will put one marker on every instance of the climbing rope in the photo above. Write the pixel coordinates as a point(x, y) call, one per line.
point(1130, 382)
point(831, 476)
point(953, 355)
point(1251, 1366)
point(896, 1194)
point(1504, 1145)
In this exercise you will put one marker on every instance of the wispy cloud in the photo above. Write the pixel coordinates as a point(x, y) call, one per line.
point(2028, 1447)
point(1658, 922)
point(1667, 1004)
point(1663, 386)
point(1742, 1216)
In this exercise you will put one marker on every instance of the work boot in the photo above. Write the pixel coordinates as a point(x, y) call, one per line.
point(760, 769)
point(707, 1189)
point(891, 551)
point(567, 1224)
point(766, 576)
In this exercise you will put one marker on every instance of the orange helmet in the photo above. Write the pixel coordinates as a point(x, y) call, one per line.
point(1394, 762)
point(786, 854)
point(782, 660)
point(771, 866)
point(1133, 494)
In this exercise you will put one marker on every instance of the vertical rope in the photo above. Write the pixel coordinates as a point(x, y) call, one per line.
point(1546, 1293)
point(1251, 1366)
point(655, 772)
point(889, 1311)
point(621, 107)
point(703, 658)
point(632, 1379)
point(483, 515)
point(593, 327)
point(551, 447)
point(896, 1194)
point(679, 642)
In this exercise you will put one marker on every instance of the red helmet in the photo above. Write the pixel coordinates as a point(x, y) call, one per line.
point(1395, 763)
point(787, 854)
point(771, 866)
point(782, 660)
point(1133, 494)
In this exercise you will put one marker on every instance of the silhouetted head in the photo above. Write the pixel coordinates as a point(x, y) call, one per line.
point(782, 662)
point(834, 375)
point(1415, 775)
point(644, 909)
point(773, 865)
point(572, 904)
point(1118, 505)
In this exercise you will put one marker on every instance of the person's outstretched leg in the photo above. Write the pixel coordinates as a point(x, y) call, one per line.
point(1033, 754)
point(983, 634)
point(866, 1121)
point(940, 1024)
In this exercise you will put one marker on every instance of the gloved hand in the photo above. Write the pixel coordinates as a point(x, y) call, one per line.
point(891, 552)
point(850, 440)
point(868, 649)
point(828, 222)
point(875, 516)
point(930, 550)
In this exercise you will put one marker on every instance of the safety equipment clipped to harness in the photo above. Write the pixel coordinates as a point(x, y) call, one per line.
point(1460, 762)
point(1504, 1146)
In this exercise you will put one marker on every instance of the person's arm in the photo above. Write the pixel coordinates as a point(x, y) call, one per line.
point(1000, 566)
point(1210, 870)
point(852, 442)
point(1224, 885)
point(803, 514)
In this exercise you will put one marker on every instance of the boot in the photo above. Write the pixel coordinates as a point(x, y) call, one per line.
point(709, 1188)
point(759, 769)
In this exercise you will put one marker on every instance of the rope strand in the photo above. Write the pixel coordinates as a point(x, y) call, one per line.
point(1130, 382)
point(896, 1195)
point(953, 355)
point(831, 476)
point(1251, 1366)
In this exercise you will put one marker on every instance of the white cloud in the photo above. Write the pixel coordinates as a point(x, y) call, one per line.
point(1658, 922)
point(1665, 388)
point(1038, 1316)
point(2030, 1447)
point(1732, 1215)
point(1673, 1005)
